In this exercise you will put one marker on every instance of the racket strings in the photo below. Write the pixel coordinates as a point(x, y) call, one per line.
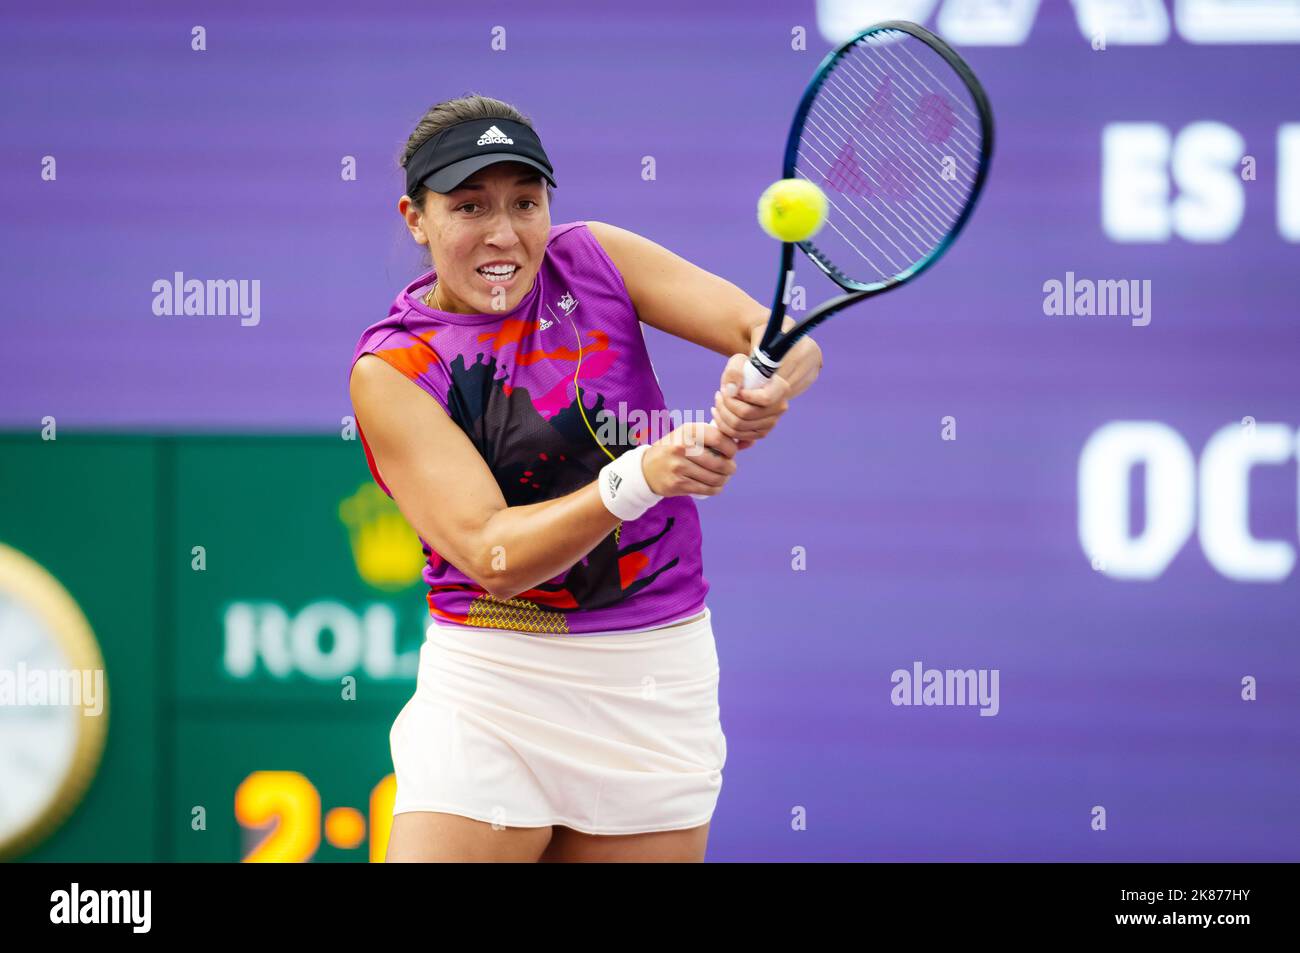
point(856, 217)
point(854, 81)
point(842, 176)
point(844, 168)
point(893, 138)
point(857, 79)
point(930, 200)
point(935, 107)
point(888, 63)
point(905, 146)
point(839, 173)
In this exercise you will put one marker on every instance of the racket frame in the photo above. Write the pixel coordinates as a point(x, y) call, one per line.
point(775, 343)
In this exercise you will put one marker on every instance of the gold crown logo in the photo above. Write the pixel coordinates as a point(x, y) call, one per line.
point(386, 552)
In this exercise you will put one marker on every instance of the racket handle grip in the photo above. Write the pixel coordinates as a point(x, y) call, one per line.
point(753, 380)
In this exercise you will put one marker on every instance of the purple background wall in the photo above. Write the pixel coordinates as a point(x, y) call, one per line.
point(958, 553)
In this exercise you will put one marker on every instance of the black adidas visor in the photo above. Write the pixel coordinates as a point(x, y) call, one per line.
point(446, 160)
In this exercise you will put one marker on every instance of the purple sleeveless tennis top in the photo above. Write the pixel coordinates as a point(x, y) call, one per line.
point(507, 380)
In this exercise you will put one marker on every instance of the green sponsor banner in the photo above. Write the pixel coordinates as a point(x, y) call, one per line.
point(258, 605)
point(296, 579)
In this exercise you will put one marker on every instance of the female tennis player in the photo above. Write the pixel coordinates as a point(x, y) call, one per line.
point(566, 706)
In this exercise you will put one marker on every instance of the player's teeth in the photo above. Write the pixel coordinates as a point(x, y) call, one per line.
point(505, 272)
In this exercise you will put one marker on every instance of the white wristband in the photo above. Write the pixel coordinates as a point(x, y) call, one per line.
point(623, 487)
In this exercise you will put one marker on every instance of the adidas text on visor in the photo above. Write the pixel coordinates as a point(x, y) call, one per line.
point(446, 160)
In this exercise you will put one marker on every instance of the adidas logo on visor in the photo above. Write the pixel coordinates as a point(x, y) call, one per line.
point(495, 137)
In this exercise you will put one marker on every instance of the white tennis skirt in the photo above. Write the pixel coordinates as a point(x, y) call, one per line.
point(610, 733)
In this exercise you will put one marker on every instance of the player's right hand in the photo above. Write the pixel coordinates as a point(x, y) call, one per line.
point(682, 463)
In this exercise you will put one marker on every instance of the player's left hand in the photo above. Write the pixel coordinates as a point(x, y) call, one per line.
point(748, 415)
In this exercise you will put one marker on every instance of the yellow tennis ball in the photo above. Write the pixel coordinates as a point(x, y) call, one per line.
point(792, 210)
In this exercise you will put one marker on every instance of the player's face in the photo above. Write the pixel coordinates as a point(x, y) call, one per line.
point(498, 216)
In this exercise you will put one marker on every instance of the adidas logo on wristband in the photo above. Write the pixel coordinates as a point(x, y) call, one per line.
point(623, 486)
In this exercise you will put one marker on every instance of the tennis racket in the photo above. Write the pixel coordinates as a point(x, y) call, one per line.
point(897, 132)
